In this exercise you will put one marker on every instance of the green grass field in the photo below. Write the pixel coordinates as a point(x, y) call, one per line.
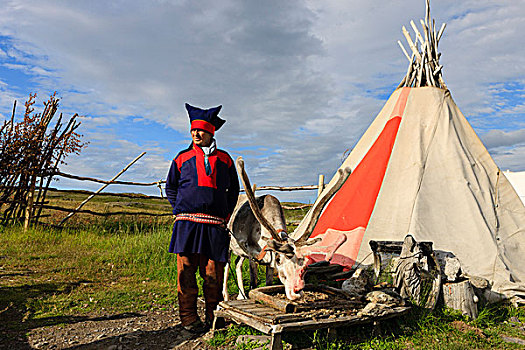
point(101, 266)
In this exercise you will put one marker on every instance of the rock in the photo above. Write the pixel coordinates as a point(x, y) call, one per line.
point(373, 309)
point(513, 340)
point(389, 299)
point(479, 282)
point(259, 340)
point(452, 269)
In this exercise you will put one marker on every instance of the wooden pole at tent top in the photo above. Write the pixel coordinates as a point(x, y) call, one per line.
point(424, 68)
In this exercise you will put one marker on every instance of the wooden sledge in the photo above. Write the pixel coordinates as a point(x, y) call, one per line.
point(273, 316)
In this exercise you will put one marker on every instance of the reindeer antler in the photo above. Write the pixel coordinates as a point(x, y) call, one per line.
point(320, 204)
point(251, 200)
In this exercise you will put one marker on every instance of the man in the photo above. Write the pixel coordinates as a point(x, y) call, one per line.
point(202, 187)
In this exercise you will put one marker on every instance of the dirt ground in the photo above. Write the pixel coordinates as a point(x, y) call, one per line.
point(148, 330)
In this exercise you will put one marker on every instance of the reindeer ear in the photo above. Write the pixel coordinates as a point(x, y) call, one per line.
point(274, 245)
point(286, 249)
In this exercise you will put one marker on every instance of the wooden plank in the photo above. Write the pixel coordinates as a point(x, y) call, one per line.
point(266, 311)
point(282, 318)
point(241, 318)
point(341, 321)
point(263, 319)
point(248, 308)
point(282, 305)
point(241, 302)
point(260, 311)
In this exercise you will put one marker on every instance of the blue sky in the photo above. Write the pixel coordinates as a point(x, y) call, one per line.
point(299, 81)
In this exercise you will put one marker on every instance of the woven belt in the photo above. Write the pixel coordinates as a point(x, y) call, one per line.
point(200, 218)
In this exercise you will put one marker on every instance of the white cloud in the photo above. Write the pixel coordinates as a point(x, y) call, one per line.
point(499, 138)
point(300, 81)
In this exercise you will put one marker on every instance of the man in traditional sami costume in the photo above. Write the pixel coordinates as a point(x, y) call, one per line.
point(202, 187)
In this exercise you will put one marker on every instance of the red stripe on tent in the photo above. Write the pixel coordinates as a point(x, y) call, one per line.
point(352, 206)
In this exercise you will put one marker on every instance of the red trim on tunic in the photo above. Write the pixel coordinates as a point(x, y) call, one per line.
point(225, 158)
point(203, 179)
point(182, 158)
point(203, 125)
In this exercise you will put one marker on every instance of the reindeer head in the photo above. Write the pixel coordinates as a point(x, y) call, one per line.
point(292, 256)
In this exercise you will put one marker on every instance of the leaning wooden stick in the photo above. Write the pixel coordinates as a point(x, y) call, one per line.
point(404, 51)
point(100, 189)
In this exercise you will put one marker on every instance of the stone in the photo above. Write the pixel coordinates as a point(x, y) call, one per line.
point(373, 309)
point(260, 340)
point(452, 269)
point(380, 297)
point(358, 284)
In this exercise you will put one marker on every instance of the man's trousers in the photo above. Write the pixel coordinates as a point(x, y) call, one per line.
point(212, 273)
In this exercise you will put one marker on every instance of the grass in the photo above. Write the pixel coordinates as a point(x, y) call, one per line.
point(101, 266)
point(83, 271)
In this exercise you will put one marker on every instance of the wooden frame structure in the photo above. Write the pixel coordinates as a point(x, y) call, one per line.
point(274, 322)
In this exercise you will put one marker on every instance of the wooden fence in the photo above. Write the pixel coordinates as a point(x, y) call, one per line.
point(319, 187)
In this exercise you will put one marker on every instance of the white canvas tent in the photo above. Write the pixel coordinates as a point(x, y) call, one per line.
point(421, 169)
point(517, 180)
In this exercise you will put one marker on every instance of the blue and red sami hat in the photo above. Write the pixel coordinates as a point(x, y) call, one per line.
point(205, 119)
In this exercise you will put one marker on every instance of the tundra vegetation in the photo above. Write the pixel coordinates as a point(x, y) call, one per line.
point(112, 265)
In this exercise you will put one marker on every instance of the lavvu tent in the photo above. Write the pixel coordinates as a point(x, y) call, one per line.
point(421, 169)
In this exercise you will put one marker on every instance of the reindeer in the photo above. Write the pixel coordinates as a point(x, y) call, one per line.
point(292, 256)
point(250, 238)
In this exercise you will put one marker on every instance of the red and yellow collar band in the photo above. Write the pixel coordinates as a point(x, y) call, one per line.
point(203, 125)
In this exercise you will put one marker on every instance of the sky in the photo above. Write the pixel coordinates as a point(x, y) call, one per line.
point(299, 81)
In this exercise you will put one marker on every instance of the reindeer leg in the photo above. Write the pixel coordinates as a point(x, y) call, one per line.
point(240, 283)
point(253, 274)
point(269, 275)
point(225, 294)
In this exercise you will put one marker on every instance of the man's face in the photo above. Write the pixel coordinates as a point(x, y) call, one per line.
point(201, 138)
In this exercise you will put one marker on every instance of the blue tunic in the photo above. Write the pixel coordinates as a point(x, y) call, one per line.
point(190, 190)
